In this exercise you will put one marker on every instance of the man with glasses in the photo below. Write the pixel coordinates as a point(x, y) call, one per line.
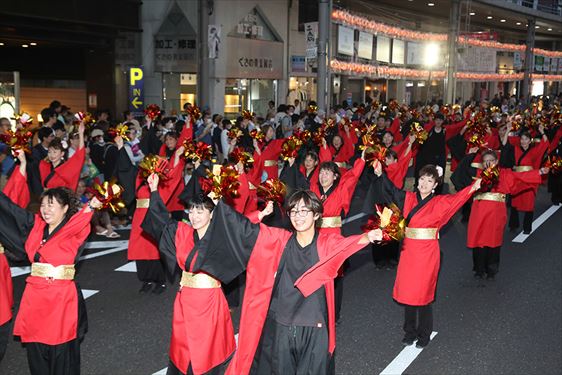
point(287, 324)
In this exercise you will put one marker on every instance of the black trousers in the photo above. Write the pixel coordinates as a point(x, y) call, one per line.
point(300, 350)
point(527, 220)
point(338, 295)
point(218, 370)
point(62, 359)
point(4, 336)
point(232, 291)
point(386, 253)
point(151, 271)
point(418, 322)
point(486, 260)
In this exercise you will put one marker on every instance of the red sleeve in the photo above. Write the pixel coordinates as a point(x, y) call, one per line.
point(169, 186)
point(397, 172)
point(454, 129)
point(429, 126)
point(347, 184)
point(70, 170)
point(239, 203)
point(325, 154)
point(514, 140)
point(254, 173)
point(327, 268)
point(449, 204)
point(16, 188)
point(253, 216)
point(395, 129)
point(186, 134)
point(516, 182)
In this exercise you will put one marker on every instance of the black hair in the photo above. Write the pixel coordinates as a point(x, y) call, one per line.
point(44, 132)
point(332, 167)
point(172, 134)
point(525, 133)
point(431, 171)
point(58, 126)
point(65, 197)
point(201, 201)
point(226, 122)
point(54, 104)
point(310, 200)
point(47, 113)
point(57, 144)
point(313, 155)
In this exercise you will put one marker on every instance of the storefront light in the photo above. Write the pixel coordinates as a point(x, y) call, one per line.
point(431, 54)
point(538, 88)
point(409, 84)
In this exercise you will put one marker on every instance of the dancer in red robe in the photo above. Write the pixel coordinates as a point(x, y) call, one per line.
point(418, 268)
point(51, 320)
point(488, 215)
point(202, 333)
point(527, 156)
point(274, 310)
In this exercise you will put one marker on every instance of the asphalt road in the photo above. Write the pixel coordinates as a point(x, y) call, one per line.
point(512, 325)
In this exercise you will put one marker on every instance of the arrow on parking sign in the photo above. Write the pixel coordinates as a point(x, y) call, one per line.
point(136, 102)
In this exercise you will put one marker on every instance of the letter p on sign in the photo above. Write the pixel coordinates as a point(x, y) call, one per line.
point(135, 75)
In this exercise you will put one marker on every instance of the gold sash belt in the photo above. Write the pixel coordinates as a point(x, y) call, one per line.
point(251, 186)
point(496, 197)
point(522, 168)
point(477, 165)
point(331, 222)
point(421, 233)
point(143, 203)
point(198, 281)
point(270, 163)
point(341, 164)
point(46, 270)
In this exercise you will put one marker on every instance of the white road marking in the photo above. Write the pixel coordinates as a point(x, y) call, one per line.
point(102, 253)
point(129, 267)
point(404, 359)
point(87, 293)
point(537, 223)
point(105, 244)
point(18, 271)
point(353, 218)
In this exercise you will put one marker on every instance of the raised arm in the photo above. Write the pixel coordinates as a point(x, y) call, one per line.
point(15, 224)
point(382, 190)
point(449, 204)
point(158, 225)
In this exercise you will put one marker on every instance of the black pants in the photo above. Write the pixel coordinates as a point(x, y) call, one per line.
point(62, 359)
point(418, 322)
point(486, 260)
point(300, 350)
point(4, 336)
point(232, 292)
point(151, 271)
point(527, 220)
point(217, 370)
point(385, 254)
point(338, 295)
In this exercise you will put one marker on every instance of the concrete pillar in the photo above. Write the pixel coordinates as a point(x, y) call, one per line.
point(401, 91)
point(153, 12)
point(450, 82)
point(171, 89)
point(203, 84)
point(324, 19)
point(529, 61)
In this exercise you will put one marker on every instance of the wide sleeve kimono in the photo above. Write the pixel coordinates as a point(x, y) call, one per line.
point(418, 269)
point(51, 312)
point(65, 174)
point(202, 331)
point(238, 245)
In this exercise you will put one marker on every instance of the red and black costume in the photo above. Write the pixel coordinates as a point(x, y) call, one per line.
point(488, 215)
point(51, 320)
point(525, 160)
point(272, 308)
point(418, 268)
point(202, 334)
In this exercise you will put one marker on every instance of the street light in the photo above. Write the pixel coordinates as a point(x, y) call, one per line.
point(431, 57)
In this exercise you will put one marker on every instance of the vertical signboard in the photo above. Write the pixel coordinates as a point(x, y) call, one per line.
point(136, 91)
point(345, 40)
